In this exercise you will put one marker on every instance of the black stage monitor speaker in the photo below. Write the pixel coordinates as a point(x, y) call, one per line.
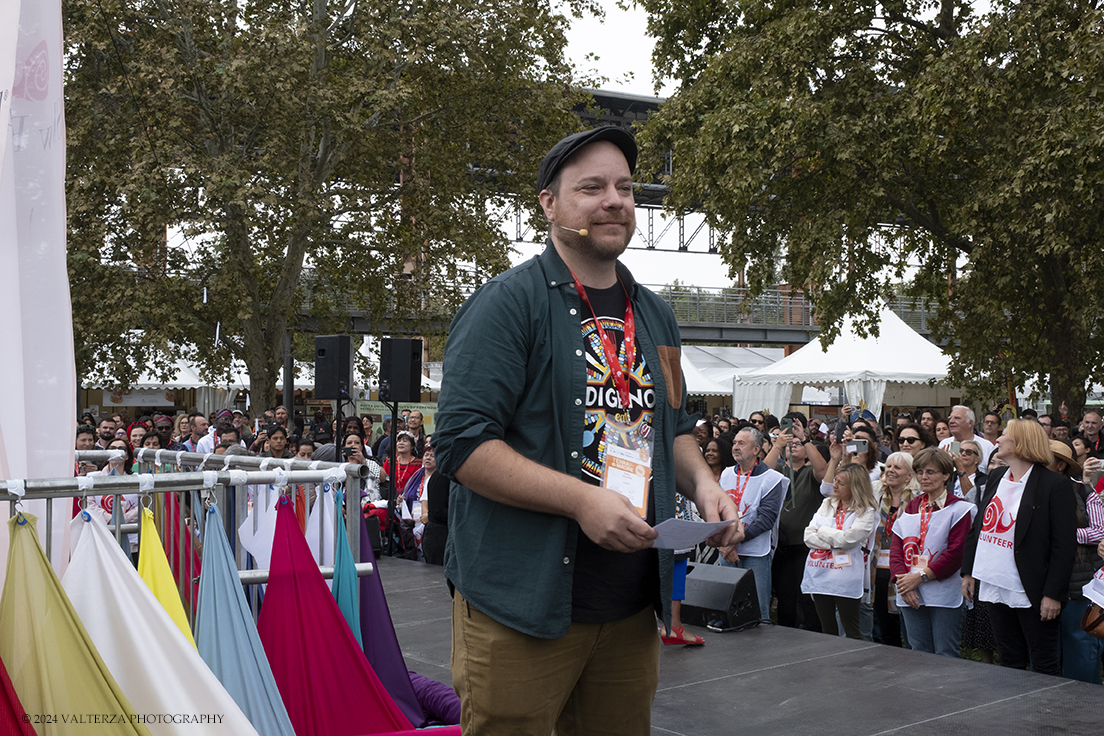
point(333, 366)
point(720, 598)
point(400, 369)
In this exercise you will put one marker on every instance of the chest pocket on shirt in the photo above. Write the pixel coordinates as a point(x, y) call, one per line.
point(671, 365)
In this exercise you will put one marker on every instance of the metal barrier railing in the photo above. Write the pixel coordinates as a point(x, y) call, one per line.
point(192, 490)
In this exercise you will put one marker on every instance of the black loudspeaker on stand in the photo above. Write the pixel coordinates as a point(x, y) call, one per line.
point(400, 376)
point(720, 598)
point(333, 366)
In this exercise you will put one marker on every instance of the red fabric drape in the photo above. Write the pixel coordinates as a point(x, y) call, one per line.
point(11, 710)
point(327, 685)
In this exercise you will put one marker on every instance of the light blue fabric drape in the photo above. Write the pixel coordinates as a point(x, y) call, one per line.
point(227, 638)
point(346, 590)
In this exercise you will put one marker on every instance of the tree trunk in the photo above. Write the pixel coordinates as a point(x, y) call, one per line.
point(1069, 370)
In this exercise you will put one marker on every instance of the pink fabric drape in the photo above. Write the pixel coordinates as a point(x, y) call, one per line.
point(11, 710)
point(325, 680)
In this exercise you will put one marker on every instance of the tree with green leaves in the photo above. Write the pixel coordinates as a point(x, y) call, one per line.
point(314, 157)
point(872, 143)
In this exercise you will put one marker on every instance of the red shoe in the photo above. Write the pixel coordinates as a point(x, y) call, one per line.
point(678, 638)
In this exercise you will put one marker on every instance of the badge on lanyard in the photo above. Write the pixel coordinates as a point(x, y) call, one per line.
point(628, 465)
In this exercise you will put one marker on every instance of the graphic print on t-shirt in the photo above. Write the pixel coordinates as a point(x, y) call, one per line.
point(601, 393)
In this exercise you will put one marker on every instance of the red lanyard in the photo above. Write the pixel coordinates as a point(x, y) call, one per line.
point(620, 374)
point(737, 493)
point(841, 514)
point(928, 506)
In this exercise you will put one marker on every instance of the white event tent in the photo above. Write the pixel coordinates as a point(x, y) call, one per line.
point(897, 367)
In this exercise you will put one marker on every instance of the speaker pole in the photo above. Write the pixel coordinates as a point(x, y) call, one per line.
point(391, 516)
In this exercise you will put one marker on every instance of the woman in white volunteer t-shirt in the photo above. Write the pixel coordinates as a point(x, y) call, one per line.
point(837, 534)
point(1022, 548)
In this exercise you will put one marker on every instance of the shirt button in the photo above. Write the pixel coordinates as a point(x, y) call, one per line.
point(574, 454)
point(552, 283)
point(578, 402)
point(567, 560)
point(578, 352)
point(573, 311)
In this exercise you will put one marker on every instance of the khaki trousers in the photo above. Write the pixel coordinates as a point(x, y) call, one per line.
point(598, 679)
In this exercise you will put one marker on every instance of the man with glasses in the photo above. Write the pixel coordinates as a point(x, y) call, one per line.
point(961, 424)
point(1047, 423)
point(757, 419)
point(991, 426)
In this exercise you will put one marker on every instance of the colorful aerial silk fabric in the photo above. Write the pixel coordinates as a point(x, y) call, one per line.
point(258, 541)
point(326, 682)
point(345, 575)
point(381, 646)
point(321, 525)
point(53, 663)
point(227, 636)
point(13, 719)
point(159, 670)
point(184, 563)
point(153, 566)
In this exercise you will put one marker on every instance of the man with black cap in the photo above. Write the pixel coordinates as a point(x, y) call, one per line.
point(562, 422)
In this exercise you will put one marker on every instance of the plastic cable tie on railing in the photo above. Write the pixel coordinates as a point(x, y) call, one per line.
point(179, 455)
point(210, 478)
point(281, 479)
point(207, 455)
point(226, 462)
point(17, 487)
point(238, 477)
point(335, 475)
point(288, 462)
point(86, 483)
point(265, 461)
point(116, 455)
point(314, 465)
point(157, 458)
point(145, 482)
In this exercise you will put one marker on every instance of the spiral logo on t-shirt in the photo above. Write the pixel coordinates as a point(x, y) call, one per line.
point(994, 518)
point(820, 554)
point(107, 503)
point(911, 549)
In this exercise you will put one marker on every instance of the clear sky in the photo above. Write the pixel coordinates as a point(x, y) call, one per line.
point(624, 55)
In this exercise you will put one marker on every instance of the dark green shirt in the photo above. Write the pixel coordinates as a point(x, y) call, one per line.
point(515, 370)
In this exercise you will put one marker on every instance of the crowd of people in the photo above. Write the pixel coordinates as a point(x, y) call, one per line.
point(421, 501)
point(933, 534)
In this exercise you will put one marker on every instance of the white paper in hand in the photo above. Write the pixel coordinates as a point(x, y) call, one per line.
point(680, 534)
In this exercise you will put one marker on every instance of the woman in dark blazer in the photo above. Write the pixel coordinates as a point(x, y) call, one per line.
point(1021, 547)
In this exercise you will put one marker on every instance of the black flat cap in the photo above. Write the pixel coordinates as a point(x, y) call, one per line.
point(555, 159)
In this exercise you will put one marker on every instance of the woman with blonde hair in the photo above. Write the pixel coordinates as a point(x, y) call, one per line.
point(896, 488)
point(836, 569)
point(1022, 548)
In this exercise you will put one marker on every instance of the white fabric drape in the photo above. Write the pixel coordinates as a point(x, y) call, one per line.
point(749, 397)
point(157, 668)
point(866, 394)
point(321, 527)
point(36, 334)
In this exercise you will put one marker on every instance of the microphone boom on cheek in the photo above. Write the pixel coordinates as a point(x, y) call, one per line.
point(582, 231)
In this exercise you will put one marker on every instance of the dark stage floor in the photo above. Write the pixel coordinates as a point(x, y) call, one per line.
point(772, 680)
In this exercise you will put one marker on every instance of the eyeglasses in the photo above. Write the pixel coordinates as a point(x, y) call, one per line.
point(968, 452)
point(908, 440)
point(929, 472)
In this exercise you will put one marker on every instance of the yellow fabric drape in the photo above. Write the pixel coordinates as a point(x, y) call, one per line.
point(53, 663)
point(153, 566)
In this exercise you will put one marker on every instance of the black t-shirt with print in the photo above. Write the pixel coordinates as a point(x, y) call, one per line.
point(609, 586)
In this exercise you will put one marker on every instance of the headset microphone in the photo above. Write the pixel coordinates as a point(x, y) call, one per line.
point(582, 232)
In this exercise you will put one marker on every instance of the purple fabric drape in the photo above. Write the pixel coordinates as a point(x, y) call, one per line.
point(381, 646)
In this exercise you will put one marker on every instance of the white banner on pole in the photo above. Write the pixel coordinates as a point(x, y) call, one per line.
point(36, 334)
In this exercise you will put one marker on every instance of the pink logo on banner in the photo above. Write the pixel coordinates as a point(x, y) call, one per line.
point(32, 80)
